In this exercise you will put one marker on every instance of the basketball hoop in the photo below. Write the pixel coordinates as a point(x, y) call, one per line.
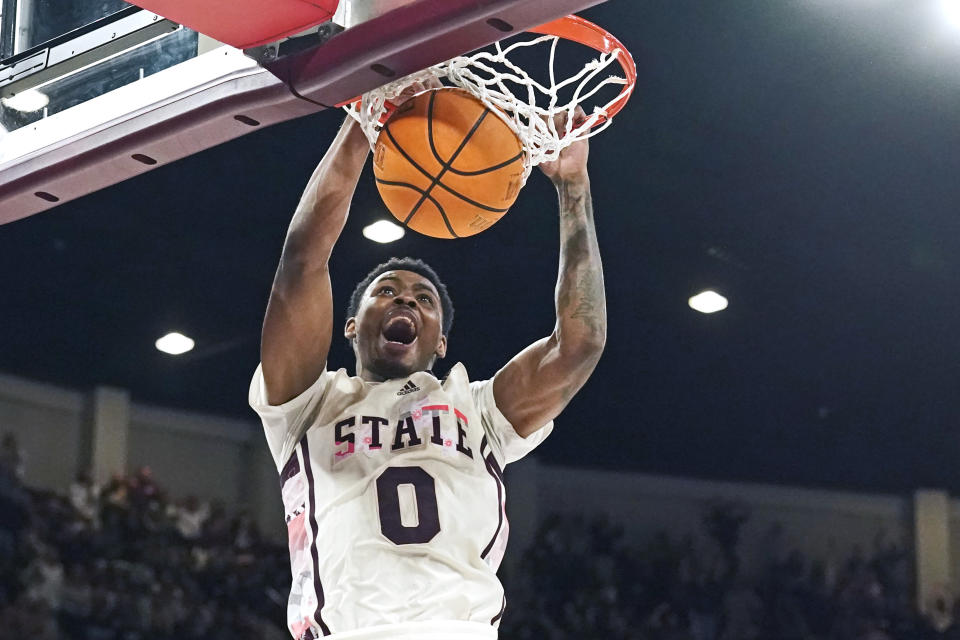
point(530, 111)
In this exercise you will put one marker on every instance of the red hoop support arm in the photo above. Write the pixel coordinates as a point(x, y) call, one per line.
point(244, 24)
point(417, 36)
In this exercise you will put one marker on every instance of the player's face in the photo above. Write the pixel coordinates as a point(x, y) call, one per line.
point(398, 327)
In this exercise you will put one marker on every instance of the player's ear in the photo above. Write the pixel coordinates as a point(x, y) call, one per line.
point(441, 349)
point(350, 329)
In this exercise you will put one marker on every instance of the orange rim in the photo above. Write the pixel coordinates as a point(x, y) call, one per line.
point(576, 29)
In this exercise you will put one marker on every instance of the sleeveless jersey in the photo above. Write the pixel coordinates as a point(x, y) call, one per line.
point(394, 501)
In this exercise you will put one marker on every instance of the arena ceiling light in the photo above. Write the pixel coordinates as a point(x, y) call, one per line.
point(175, 344)
point(708, 302)
point(951, 11)
point(29, 101)
point(383, 231)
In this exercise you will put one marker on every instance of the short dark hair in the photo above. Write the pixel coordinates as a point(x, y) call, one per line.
point(406, 264)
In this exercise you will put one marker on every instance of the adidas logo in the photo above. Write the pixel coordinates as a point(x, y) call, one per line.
point(408, 388)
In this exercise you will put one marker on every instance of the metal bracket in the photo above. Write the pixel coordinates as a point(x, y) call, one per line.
point(294, 44)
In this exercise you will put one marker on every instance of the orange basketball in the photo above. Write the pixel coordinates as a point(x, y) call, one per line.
point(446, 165)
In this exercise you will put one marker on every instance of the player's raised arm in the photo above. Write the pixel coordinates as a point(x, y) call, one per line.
point(299, 322)
point(535, 386)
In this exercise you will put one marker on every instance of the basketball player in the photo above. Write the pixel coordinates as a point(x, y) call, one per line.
point(391, 478)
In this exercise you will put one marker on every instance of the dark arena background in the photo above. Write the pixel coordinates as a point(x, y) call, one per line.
point(783, 469)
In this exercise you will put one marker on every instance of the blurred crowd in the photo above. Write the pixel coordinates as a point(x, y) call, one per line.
point(126, 562)
point(582, 579)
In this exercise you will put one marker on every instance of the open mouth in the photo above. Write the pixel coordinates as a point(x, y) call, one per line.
point(400, 329)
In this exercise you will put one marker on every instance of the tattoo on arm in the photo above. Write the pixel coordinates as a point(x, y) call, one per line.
point(580, 295)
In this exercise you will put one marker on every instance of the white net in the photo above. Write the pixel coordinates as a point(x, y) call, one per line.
point(527, 106)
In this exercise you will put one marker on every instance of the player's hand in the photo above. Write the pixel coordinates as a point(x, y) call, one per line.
point(572, 163)
point(414, 88)
point(418, 87)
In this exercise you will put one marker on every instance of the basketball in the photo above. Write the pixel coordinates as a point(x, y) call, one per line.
point(446, 165)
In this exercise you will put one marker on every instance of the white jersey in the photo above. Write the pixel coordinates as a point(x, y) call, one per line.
point(394, 501)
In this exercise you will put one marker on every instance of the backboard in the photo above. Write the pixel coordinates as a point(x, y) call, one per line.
point(104, 91)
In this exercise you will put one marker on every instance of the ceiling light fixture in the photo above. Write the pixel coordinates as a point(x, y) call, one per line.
point(951, 10)
point(383, 231)
point(29, 101)
point(708, 302)
point(175, 344)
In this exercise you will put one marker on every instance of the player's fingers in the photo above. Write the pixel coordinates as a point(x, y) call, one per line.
point(579, 116)
point(432, 83)
point(411, 90)
point(560, 120)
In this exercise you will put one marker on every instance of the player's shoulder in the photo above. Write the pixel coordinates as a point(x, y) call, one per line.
point(344, 380)
point(458, 377)
point(331, 385)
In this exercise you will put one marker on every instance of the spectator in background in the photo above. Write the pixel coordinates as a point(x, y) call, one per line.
point(14, 520)
point(191, 517)
point(742, 612)
point(940, 621)
point(44, 578)
point(76, 597)
point(245, 533)
point(135, 577)
point(144, 495)
point(216, 528)
point(85, 498)
point(28, 619)
point(11, 457)
point(691, 588)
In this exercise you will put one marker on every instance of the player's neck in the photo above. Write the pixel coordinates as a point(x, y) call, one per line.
point(369, 375)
